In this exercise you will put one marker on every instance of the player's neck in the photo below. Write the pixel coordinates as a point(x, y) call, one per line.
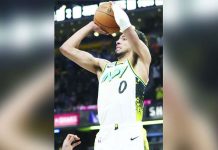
point(123, 59)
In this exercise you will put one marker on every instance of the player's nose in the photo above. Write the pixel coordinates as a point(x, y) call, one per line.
point(117, 42)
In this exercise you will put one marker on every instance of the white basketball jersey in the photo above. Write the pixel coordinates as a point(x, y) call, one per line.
point(120, 94)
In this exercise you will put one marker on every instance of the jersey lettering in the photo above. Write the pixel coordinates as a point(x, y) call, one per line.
point(112, 74)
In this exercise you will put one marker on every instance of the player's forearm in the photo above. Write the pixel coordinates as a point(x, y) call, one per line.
point(76, 38)
point(136, 44)
point(132, 38)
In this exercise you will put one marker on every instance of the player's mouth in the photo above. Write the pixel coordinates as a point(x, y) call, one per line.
point(117, 47)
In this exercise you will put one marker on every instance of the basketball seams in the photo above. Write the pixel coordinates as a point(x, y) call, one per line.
point(105, 13)
point(104, 25)
point(104, 18)
point(98, 13)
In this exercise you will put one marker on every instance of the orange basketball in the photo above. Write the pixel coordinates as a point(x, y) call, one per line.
point(104, 18)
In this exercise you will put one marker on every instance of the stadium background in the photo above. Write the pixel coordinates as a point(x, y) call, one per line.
point(76, 89)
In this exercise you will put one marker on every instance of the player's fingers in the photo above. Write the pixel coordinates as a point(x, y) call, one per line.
point(101, 31)
point(68, 136)
point(71, 137)
point(76, 137)
point(75, 144)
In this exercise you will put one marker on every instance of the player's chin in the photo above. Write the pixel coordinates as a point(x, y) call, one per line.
point(118, 53)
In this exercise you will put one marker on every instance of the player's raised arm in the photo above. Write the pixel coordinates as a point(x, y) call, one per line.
point(82, 58)
point(130, 34)
point(137, 45)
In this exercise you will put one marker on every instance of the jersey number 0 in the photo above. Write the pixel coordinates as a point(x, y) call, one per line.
point(122, 87)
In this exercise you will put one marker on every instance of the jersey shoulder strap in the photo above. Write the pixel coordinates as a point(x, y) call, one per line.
point(111, 64)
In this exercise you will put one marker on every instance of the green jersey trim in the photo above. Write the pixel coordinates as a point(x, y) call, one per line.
point(104, 68)
point(136, 74)
point(103, 71)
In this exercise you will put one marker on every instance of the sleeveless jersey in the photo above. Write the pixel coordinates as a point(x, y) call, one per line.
point(120, 94)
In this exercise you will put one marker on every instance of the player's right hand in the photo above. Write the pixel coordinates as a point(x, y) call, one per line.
point(70, 142)
point(121, 17)
point(96, 28)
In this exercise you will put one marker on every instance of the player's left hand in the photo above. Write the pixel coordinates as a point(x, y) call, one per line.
point(96, 28)
point(121, 17)
point(70, 142)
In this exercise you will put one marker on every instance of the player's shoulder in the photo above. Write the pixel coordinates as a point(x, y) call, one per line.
point(103, 62)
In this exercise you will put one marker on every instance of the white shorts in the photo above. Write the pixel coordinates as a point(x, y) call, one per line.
point(121, 137)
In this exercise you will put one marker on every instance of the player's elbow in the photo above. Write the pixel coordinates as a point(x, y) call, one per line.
point(63, 49)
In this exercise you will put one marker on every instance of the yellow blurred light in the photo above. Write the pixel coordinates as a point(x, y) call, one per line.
point(96, 34)
point(114, 34)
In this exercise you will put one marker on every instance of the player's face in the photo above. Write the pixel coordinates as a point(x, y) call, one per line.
point(122, 45)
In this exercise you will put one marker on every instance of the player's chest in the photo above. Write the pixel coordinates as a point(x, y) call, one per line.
point(114, 73)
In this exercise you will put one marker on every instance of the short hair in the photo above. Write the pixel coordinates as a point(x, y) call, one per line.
point(142, 37)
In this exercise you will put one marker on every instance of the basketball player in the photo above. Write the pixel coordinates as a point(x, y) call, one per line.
point(121, 84)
